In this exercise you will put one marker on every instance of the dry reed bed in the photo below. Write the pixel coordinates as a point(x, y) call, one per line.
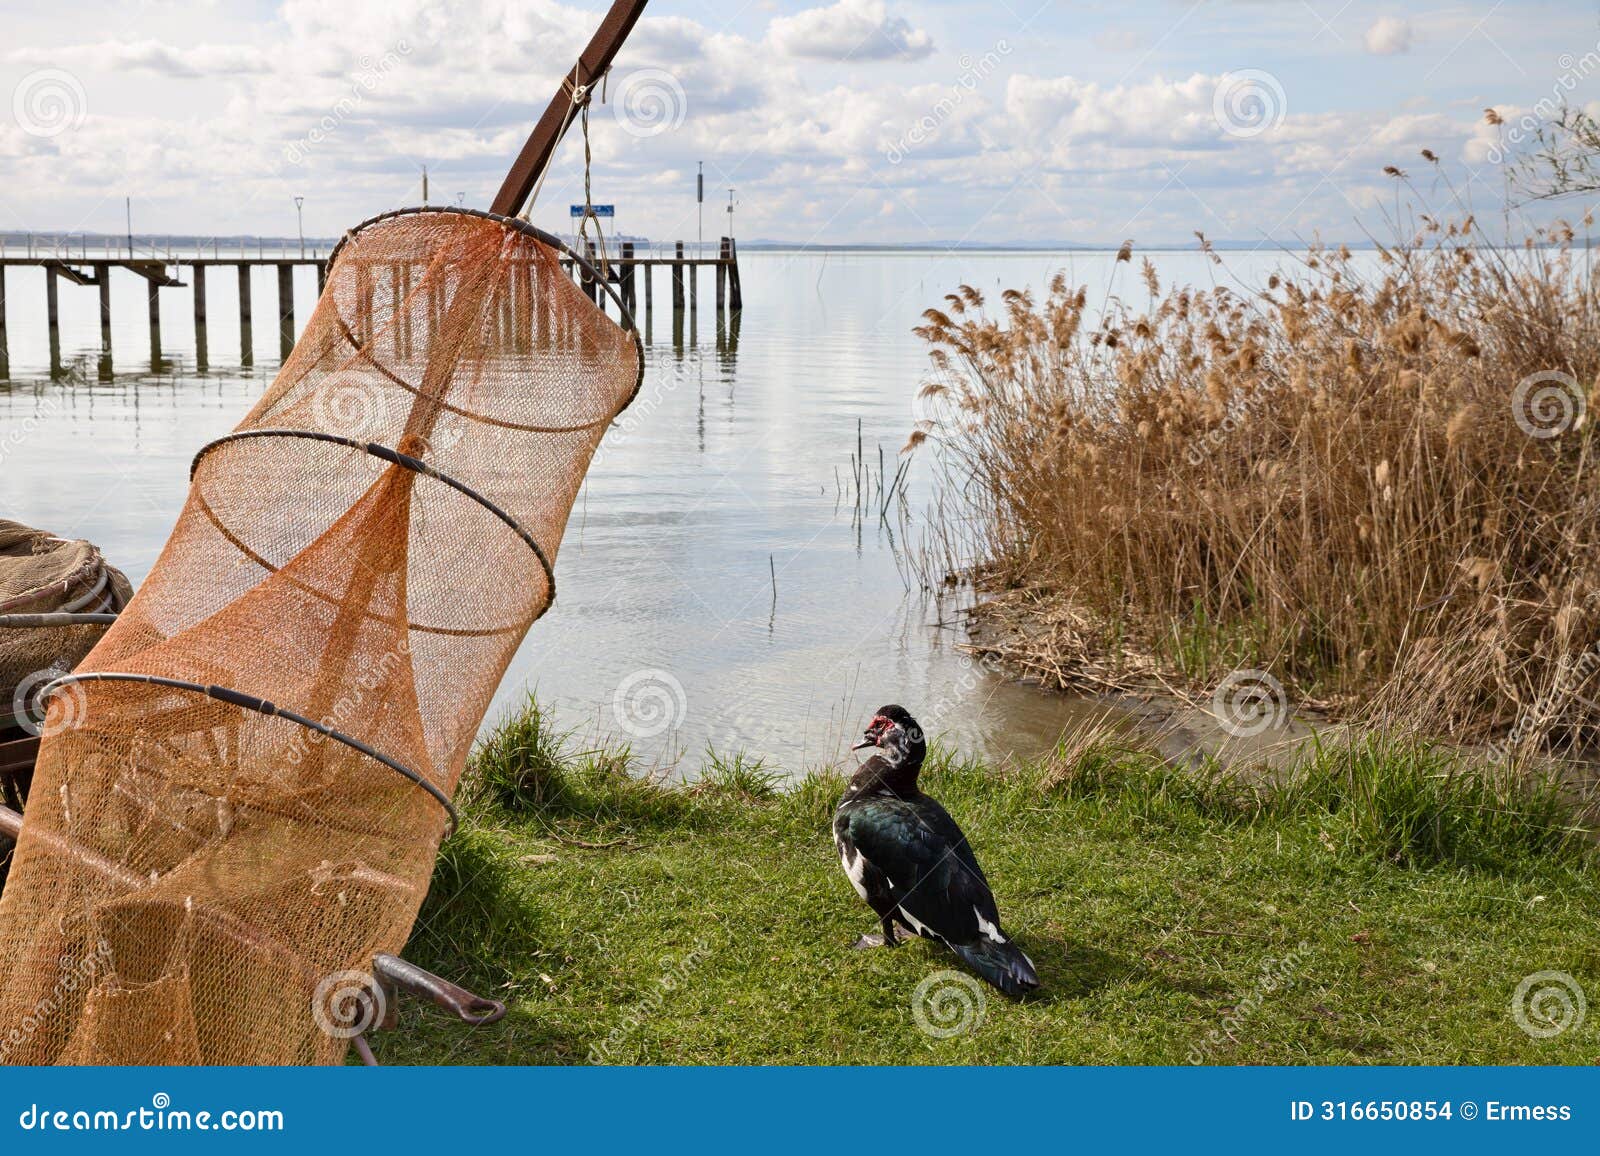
point(1370, 477)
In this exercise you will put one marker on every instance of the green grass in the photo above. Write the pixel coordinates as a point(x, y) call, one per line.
point(1379, 905)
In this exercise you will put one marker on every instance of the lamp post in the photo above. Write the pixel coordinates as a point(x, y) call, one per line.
point(731, 203)
point(300, 223)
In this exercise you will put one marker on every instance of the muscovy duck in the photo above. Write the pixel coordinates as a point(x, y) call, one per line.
point(911, 863)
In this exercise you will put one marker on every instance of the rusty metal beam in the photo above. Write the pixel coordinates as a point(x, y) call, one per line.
point(18, 755)
point(541, 146)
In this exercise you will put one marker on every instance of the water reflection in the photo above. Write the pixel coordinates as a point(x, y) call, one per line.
point(713, 540)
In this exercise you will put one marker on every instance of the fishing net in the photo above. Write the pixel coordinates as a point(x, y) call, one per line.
point(43, 574)
point(242, 789)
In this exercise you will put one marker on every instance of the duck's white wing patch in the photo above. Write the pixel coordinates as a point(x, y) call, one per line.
point(913, 922)
point(990, 930)
point(855, 867)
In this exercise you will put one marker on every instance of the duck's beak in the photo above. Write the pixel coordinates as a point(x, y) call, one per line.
point(867, 741)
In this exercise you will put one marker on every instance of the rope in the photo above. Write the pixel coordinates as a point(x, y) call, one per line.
point(578, 102)
point(578, 96)
point(588, 204)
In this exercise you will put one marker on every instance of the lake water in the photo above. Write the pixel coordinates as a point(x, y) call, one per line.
point(714, 585)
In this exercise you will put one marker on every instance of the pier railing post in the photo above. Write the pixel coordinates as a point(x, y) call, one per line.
point(5, 350)
point(677, 279)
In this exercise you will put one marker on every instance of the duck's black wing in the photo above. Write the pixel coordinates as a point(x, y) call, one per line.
point(938, 888)
point(932, 873)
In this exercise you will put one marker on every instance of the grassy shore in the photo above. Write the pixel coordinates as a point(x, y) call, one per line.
point(1380, 905)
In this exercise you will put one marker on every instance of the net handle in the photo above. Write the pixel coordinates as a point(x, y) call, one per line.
point(535, 156)
point(272, 710)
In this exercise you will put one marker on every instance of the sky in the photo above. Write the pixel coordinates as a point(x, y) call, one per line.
point(859, 121)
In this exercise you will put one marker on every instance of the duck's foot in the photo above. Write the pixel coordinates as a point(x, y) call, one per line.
point(866, 941)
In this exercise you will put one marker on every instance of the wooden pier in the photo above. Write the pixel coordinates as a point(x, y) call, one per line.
point(625, 269)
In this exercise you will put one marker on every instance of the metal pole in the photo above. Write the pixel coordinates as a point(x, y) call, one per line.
point(127, 203)
point(300, 224)
point(700, 203)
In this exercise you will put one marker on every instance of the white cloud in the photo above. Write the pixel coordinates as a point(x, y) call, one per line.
point(1390, 36)
point(850, 30)
point(358, 96)
point(151, 56)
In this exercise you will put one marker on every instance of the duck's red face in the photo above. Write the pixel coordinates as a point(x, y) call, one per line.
point(876, 729)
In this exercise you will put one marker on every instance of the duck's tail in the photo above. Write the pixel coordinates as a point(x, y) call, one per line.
point(1002, 964)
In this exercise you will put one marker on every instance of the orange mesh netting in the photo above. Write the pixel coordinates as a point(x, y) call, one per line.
point(364, 553)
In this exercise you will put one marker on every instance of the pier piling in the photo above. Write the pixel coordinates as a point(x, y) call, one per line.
point(285, 310)
point(102, 278)
point(52, 303)
point(153, 290)
point(625, 278)
point(199, 272)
